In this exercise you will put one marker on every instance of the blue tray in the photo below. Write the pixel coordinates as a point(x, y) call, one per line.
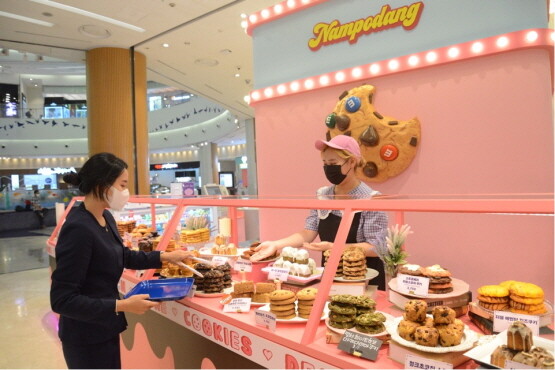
point(164, 289)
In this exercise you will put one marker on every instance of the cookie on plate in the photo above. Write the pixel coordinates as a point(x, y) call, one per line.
point(415, 310)
point(411, 269)
point(443, 315)
point(370, 323)
point(407, 328)
point(426, 336)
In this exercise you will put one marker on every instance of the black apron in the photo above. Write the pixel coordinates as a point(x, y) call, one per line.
point(327, 229)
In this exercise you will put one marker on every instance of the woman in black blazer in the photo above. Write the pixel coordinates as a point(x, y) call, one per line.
point(90, 258)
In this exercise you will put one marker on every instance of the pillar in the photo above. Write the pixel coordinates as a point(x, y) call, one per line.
point(116, 124)
point(208, 155)
point(251, 156)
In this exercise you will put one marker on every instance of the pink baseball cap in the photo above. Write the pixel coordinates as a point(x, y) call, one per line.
point(341, 142)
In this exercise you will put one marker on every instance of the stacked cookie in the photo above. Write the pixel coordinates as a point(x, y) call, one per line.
point(440, 279)
point(345, 308)
point(339, 271)
point(354, 264)
point(244, 289)
point(370, 323)
point(226, 269)
point(442, 329)
point(262, 292)
point(213, 281)
point(526, 298)
point(305, 301)
point(493, 297)
point(282, 304)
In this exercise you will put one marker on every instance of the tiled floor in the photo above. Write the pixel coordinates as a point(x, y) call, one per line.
point(28, 337)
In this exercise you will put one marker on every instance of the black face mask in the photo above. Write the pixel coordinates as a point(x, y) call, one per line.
point(333, 173)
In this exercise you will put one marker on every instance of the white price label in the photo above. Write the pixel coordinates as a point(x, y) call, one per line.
point(265, 319)
point(280, 273)
point(503, 319)
point(219, 260)
point(415, 362)
point(413, 285)
point(238, 305)
point(242, 265)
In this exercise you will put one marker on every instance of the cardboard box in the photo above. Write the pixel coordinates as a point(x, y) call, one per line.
point(398, 353)
point(485, 325)
point(353, 288)
point(463, 300)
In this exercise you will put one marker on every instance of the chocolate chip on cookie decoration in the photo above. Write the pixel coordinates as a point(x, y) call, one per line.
point(388, 144)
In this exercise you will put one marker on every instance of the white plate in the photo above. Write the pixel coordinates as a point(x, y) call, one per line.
point(223, 302)
point(299, 279)
point(297, 319)
point(469, 338)
point(213, 295)
point(370, 274)
point(388, 317)
point(265, 261)
point(482, 353)
point(459, 288)
point(207, 252)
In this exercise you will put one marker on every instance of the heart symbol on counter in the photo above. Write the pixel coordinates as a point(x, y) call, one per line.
point(268, 354)
point(174, 311)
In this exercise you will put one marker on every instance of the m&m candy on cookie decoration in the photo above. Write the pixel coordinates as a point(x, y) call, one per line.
point(387, 144)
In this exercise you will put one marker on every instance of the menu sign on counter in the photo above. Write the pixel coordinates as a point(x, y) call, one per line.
point(360, 345)
point(413, 285)
point(219, 260)
point(238, 305)
point(416, 362)
point(265, 319)
point(243, 265)
point(280, 273)
point(503, 319)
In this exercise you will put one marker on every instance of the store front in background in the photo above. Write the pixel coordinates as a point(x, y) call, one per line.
point(162, 175)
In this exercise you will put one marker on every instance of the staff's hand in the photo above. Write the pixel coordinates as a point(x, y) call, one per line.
point(264, 250)
point(320, 246)
point(177, 255)
point(138, 304)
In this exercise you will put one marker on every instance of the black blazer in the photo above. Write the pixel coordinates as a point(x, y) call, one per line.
point(89, 264)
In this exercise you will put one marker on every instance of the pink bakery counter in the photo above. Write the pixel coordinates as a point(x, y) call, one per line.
point(195, 332)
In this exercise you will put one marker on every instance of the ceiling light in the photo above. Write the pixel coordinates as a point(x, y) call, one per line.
point(89, 14)
point(166, 45)
point(237, 75)
point(243, 16)
point(26, 19)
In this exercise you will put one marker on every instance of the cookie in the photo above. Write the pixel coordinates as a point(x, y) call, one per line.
point(264, 287)
point(359, 264)
point(341, 318)
point(440, 286)
point(288, 317)
point(426, 336)
point(304, 311)
point(493, 291)
point(436, 271)
point(406, 329)
point(285, 307)
point(370, 319)
point(344, 298)
point(527, 290)
point(526, 300)
point(353, 256)
point(305, 303)
point(342, 325)
point(364, 301)
point(307, 294)
point(342, 308)
point(410, 269)
point(443, 315)
point(439, 279)
point(388, 145)
point(494, 306)
point(261, 297)
point(283, 313)
point(244, 287)
point(449, 335)
point(508, 283)
point(281, 295)
point(415, 310)
point(527, 312)
point(374, 329)
point(493, 299)
point(527, 307)
point(282, 302)
point(440, 291)
point(241, 295)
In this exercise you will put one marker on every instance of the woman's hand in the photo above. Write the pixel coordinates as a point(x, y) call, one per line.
point(138, 304)
point(320, 246)
point(264, 250)
point(177, 255)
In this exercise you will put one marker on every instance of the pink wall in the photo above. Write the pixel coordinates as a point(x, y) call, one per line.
point(487, 127)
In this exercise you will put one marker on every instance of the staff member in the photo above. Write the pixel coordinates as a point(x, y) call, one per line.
point(341, 157)
point(90, 258)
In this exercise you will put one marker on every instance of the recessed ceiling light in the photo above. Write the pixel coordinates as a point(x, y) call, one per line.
point(89, 14)
point(209, 62)
point(237, 75)
point(94, 31)
point(225, 51)
point(26, 19)
point(166, 45)
point(30, 79)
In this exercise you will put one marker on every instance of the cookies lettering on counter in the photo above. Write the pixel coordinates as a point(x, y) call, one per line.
point(388, 143)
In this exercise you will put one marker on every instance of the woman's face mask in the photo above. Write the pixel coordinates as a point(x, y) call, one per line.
point(334, 174)
point(118, 199)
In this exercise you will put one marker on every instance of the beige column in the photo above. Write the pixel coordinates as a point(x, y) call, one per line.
point(115, 124)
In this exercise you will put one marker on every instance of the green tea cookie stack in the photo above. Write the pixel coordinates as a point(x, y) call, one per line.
point(343, 311)
point(364, 304)
point(370, 323)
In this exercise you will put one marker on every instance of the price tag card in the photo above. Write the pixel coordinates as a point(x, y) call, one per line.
point(415, 362)
point(413, 285)
point(516, 365)
point(360, 345)
point(243, 265)
point(219, 260)
point(265, 319)
point(280, 273)
point(503, 319)
point(238, 305)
